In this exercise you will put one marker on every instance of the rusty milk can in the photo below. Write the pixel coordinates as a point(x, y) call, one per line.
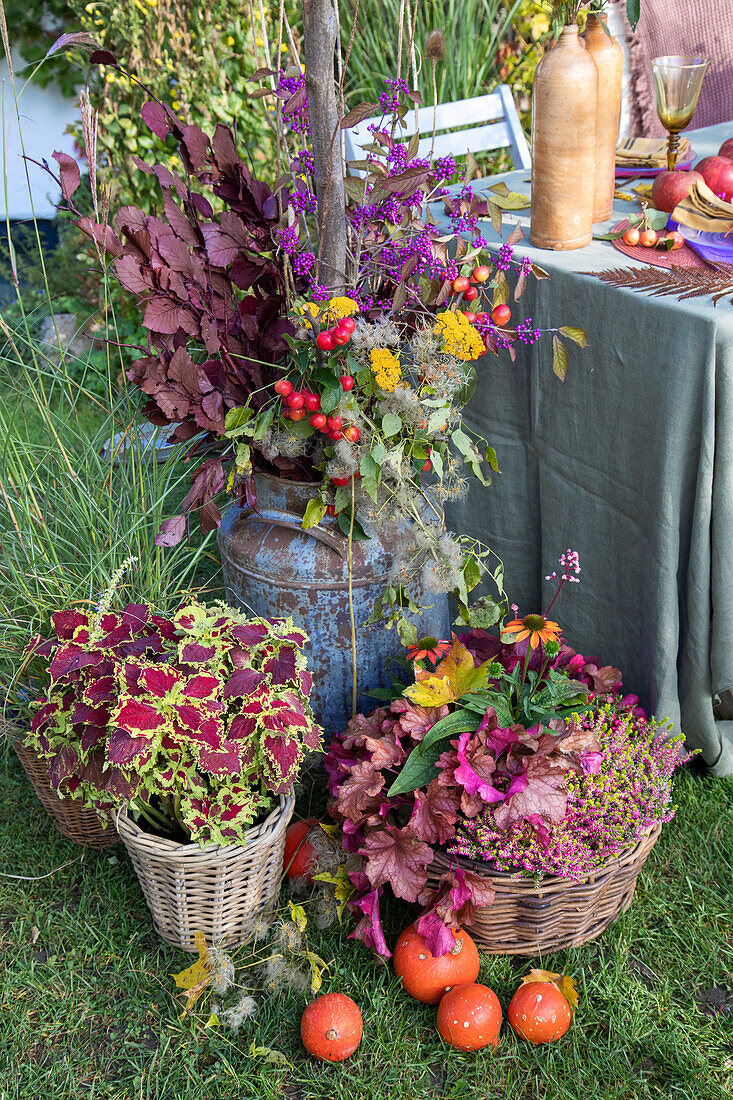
point(275, 568)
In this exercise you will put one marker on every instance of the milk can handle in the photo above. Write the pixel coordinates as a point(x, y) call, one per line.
point(325, 537)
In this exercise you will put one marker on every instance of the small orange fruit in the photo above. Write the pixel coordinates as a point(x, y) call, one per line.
point(649, 238)
point(469, 1017)
point(427, 978)
point(539, 1013)
point(331, 1027)
point(298, 854)
point(631, 236)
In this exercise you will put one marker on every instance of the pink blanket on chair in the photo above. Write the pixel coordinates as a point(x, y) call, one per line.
point(701, 27)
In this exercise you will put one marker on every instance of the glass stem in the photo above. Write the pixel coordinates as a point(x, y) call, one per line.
point(672, 146)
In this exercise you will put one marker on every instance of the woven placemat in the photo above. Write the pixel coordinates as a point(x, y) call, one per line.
point(658, 257)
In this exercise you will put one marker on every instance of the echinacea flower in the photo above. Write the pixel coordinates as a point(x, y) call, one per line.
point(535, 627)
point(428, 647)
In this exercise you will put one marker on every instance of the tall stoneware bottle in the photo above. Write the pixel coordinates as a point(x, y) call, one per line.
point(609, 60)
point(564, 102)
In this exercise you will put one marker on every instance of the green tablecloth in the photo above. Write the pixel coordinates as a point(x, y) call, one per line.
point(630, 462)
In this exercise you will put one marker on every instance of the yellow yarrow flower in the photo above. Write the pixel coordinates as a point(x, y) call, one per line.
point(342, 307)
point(460, 338)
point(385, 368)
point(230, 40)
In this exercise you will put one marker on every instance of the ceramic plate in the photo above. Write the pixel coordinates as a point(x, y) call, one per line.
point(714, 247)
point(649, 173)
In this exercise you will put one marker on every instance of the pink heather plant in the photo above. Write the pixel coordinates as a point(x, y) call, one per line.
point(607, 809)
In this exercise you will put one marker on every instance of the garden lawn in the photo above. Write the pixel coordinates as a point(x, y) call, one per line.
point(89, 1008)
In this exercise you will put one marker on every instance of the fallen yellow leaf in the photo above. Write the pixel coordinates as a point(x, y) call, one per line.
point(195, 978)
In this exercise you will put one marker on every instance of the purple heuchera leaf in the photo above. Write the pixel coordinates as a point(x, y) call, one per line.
point(544, 794)
point(439, 938)
point(369, 929)
point(394, 855)
point(476, 764)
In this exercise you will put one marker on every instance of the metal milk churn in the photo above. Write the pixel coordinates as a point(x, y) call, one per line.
point(274, 568)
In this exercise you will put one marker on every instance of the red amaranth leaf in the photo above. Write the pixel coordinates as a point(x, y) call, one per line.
point(156, 118)
point(68, 174)
point(394, 856)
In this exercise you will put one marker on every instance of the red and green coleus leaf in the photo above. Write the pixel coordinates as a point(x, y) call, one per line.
point(282, 758)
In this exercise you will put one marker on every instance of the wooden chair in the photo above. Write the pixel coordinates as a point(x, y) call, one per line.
point(495, 122)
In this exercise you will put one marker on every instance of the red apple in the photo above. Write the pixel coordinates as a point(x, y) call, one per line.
point(726, 149)
point(670, 188)
point(718, 175)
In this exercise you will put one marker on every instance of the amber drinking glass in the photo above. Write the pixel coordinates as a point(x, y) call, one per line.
point(678, 81)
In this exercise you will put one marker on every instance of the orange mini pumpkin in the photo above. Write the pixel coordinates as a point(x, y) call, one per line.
point(469, 1017)
point(539, 1012)
point(298, 854)
point(331, 1027)
point(426, 978)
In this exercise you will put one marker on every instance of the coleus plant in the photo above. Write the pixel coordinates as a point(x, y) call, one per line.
point(451, 746)
point(197, 721)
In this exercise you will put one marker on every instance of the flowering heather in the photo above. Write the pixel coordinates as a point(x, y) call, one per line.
point(607, 810)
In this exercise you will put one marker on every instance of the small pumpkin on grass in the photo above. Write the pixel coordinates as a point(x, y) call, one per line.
point(331, 1027)
point(427, 978)
point(541, 1010)
point(469, 1017)
point(298, 856)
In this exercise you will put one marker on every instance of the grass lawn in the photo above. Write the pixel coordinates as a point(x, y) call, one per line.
point(88, 1007)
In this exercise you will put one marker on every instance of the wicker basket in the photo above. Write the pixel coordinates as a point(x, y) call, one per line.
point(71, 817)
point(527, 918)
point(216, 890)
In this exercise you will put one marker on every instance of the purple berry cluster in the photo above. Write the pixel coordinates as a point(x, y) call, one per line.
point(389, 100)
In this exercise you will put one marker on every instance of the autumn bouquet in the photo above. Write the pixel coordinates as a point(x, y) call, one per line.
point(513, 749)
point(197, 721)
point(335, 349)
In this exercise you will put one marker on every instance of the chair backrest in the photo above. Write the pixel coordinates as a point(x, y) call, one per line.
point(496, 126)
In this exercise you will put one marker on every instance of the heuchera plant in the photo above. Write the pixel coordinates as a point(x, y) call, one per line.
point(451, 747)
point(197, 721)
